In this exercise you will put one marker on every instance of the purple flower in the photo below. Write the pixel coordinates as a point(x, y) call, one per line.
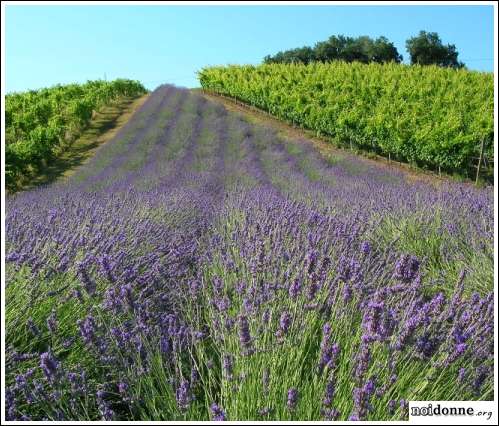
point(12, 257)
point(481, 375)
point(50, 366)
point(311, 261)
point(328, 350)
point(183, 395)
point(266, 316)
point(284, 323)
point(406, 268)
point(21, 381)
point(292, 398)
point(106, 412)
point(347, 293)
point(222, 304)
point(330, 414)
point(458, 351)
point(240, 287)
point(414, 320)
point(426, 346)
point(312, 290)
point(348, 269)
point(365, 247)
point(87, 329)
point(55, 396)
point(77, 295)
point(372, 322)
point(362, 360)
point(194, 376)
point(122, 387)
point(361, 398)
point(126, 294)
point(106, 267)
point(369, 387)
point(245, 336)
point(218, 285)
point(295, 288)
point(217, 413)
point(329, 393)
point(461, 375)
point(67, 343)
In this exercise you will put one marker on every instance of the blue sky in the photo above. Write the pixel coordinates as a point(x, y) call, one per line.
point(46, 45)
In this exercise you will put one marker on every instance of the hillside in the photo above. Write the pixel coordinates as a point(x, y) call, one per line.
point(432, 117)
point(40, 125)
point(203, 267)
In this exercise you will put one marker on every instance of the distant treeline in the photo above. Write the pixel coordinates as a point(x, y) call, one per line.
point(424, 49)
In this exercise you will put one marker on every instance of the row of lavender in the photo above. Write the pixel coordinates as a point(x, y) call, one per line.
point(200, 267)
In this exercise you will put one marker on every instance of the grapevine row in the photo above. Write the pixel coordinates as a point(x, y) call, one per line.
point(38, 123)
point(430, 116)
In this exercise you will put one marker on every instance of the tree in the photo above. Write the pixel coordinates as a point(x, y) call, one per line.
point(384, 50)
point(331, 49)
point(302, 55)
point(427, 49)
point(357, 50)
point(348, 49)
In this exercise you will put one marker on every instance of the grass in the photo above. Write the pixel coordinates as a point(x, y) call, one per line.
point(428, 240)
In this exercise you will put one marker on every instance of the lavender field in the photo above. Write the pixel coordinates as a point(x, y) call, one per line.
point(201, 267)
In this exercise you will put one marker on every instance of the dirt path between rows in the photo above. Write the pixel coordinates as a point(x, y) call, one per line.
point(324, 146)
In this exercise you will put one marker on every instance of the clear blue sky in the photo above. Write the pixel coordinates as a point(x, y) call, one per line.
point(46, 45)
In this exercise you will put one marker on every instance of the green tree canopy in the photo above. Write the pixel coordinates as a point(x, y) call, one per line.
point(349, 49)
point(427, 49)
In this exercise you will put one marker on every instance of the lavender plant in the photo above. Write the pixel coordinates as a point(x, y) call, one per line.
point(201, 267)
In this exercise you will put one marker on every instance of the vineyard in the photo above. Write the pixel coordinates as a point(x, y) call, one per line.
point(433, 117)
point(40, 123)
point(203, 267)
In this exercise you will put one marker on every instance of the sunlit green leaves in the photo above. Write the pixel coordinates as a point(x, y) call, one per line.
point(431, 116)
